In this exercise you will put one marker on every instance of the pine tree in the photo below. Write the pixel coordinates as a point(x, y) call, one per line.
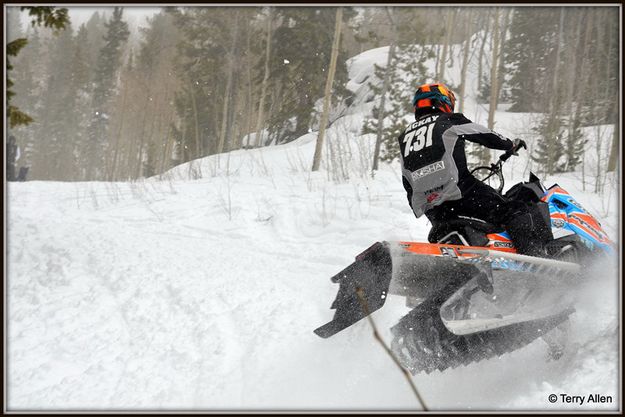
point(57, 121)
point(80, 85)
point(529, 56)
point(96, 31)
point(205, 37)
point(361, 30)
point(396, 109)
point(80, 62)
point(29, 78)
point(483, 94)
point(50, 17)
point(574, 145)
point(302, 46)
point(104, 83)
point(549, 150)
point(407, 71)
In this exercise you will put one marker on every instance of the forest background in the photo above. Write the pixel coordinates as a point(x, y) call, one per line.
point(103, 102)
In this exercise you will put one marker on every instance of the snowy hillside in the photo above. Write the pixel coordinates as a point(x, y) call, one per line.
point(200, 289)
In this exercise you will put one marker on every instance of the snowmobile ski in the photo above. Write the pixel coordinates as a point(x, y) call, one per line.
point(371, 272)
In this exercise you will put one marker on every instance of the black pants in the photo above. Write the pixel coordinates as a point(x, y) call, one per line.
point(523, 221)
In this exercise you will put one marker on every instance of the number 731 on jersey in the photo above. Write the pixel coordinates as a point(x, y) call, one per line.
point(418, 139)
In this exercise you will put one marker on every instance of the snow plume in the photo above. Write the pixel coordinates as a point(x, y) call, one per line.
point(590, 364)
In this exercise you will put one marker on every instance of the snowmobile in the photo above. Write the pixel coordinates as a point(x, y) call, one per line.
point(473, 297)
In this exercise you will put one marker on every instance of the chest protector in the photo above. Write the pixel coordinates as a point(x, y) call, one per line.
point(427, 161)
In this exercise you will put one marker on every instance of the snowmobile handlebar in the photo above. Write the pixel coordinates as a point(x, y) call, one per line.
point(517, 144)
point(504, 157)
point(495, 168)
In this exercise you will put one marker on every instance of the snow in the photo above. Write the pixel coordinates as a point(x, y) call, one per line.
point(199, 289)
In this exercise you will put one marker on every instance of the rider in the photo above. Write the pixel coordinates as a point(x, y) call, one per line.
point(438, 182)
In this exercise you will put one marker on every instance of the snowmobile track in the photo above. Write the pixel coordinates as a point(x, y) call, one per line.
point(423, 343)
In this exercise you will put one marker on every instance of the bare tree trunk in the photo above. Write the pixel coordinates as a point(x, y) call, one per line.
point(132, 154)
point(155, 128)
point(584, 77)
point(613, 155)
point(598, 110)
point(146, 141)
point(502, 44)
point(184, 152)
point(613, 158)
point(438, 59)
point(232, 125)
point(451, 14)
point(385, 88)
point(248, 105)
point(572, 75)
point(224, 120)
point(328, 89)
point(493, 72)
point(168, 146)
point(259, 123)
point(481, 55)
point(232, 128)
point(274, 100)
point(557, 66)
point(113, 166)
point(167, 134)
point(554, 105)
point(465, 60)
point(198, 143)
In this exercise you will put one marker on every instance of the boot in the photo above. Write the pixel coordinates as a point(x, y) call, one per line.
point(526, 234)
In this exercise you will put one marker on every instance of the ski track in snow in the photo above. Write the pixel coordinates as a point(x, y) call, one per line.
point(203, 294)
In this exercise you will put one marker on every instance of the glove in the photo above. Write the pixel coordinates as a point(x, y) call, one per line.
point(518, 144)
